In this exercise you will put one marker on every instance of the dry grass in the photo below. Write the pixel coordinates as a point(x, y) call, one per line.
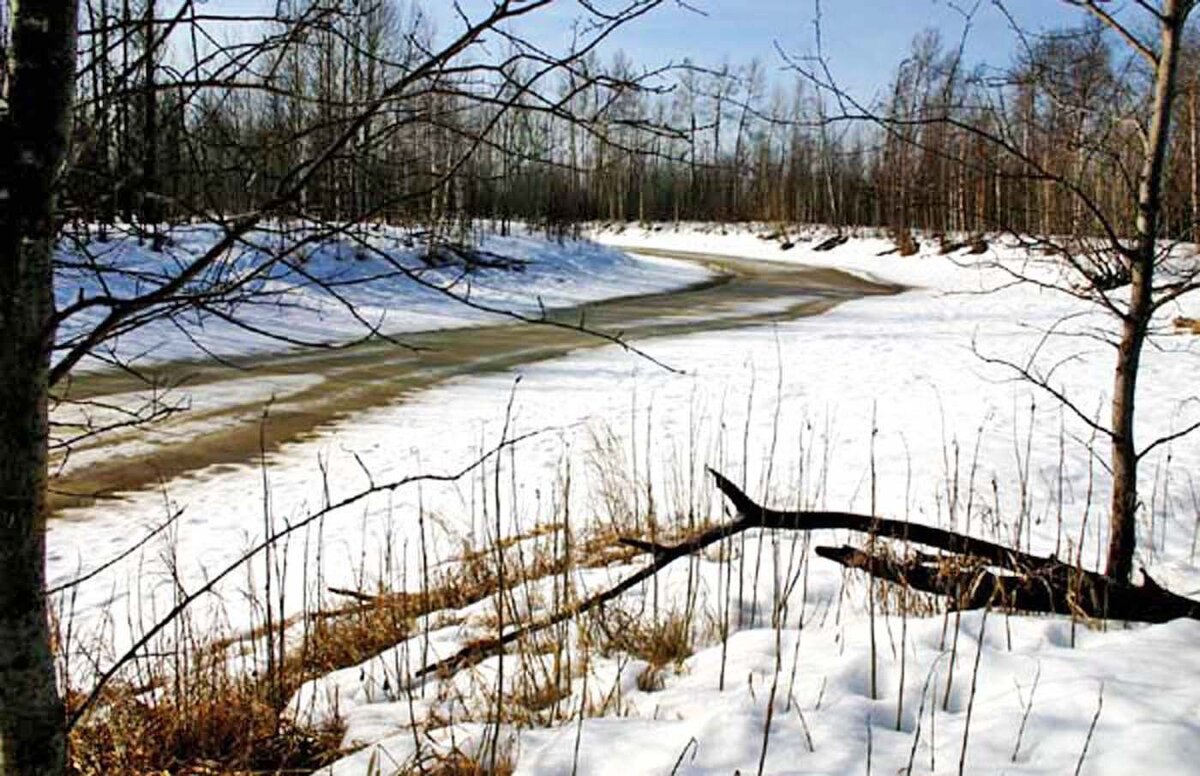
point(210, 719)
point(898, 600)
point(665, 642)
point(893, 599)
point(214, 720)
point(223, 725)
point(1187, 325)
point(906, 244)
point(461, 764)
point(198, 710)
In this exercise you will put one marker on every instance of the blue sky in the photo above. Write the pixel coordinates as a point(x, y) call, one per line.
point(864, 39)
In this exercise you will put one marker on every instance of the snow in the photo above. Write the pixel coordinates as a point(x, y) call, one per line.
point(727, 726)
point(1047, 669)
point(338, 289)
point(197, 409)
point(794, 410)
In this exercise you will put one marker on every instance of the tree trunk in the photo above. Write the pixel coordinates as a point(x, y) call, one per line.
point(1123, 515)
point(1122, 518)
point(33, 140)
point(1194, 138)
point(151, 212)
point(124, 148)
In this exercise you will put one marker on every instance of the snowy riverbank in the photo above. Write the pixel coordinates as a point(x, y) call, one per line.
point(342, 288)
point(795, 409)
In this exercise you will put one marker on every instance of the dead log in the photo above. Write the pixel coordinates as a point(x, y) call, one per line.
point(357, 596)
point(965, 572)
point(470, 259)
point(832, 242)
point(1055, 590)
point(757, 516)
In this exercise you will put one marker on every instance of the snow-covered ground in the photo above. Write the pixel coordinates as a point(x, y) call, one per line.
point(792, 408)
point(337, 289)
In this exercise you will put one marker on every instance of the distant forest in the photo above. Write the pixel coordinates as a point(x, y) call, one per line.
point(186, 116)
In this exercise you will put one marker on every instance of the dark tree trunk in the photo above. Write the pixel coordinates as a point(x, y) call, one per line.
point(1194, 162)
point(151, 211)
point(33, 141)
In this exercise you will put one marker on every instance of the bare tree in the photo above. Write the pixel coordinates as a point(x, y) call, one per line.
point(1131, 256)
point(1143, 259)
point(370, 102)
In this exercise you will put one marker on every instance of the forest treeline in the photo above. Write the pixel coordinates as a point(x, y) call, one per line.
point(184, 114)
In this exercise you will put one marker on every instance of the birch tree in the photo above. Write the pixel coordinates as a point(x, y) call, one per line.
point(35, 120)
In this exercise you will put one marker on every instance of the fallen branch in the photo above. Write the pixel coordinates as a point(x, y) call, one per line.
point(965, 572)
point(831, 242)
point(1052, 591)
point(357, 596)
point(664, 555)
point(1038, 584)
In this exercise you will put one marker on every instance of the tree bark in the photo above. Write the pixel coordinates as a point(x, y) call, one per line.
point(1194, 166)
point(151, 212)
point(1123, 513)
point(33, 141)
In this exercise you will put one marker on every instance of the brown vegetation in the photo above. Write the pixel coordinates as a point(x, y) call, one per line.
point(906, 244)
point(1187, 325)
